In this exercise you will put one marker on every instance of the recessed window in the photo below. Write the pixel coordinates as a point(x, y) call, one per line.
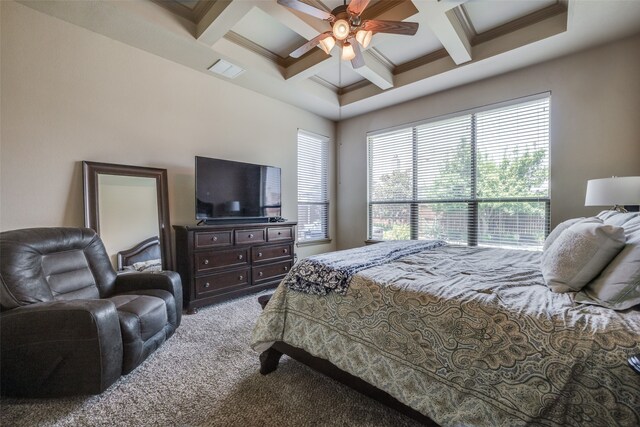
point(479, 178)
point(313, 187)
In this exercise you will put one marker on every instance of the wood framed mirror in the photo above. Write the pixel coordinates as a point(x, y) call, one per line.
point(127, 205)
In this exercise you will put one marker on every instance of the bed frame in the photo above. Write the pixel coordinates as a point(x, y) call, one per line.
point(143, 251)
point(270, 358)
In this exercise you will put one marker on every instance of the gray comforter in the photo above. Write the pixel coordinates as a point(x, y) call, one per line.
point(470, 337)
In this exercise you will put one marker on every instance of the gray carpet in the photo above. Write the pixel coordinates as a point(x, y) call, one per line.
point(207, 375)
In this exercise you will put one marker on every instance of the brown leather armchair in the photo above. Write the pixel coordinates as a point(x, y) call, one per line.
point(69, 324)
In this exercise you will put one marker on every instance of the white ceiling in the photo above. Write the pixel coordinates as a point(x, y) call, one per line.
point(458, 42)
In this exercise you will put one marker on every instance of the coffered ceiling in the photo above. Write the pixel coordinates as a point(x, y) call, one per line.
point(458, 41)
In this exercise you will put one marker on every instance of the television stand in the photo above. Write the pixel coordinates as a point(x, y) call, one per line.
point(223, 261)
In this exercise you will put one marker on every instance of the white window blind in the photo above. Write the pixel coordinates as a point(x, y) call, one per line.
point(313, 187)
point(478, 179)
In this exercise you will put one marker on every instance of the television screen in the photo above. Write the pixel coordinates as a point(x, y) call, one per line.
point(227, 189)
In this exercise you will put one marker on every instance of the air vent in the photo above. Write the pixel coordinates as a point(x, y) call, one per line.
point(226, 69)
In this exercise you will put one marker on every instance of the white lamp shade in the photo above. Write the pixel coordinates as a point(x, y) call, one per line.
point(623, 190)
point(364, 37)
point(347, 52)
point(341, 29)
point(327, 44)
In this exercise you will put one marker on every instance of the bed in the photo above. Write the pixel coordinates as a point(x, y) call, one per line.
point(144, 256)
point(467, 336)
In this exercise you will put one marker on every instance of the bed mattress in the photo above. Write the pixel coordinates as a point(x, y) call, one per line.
point(470, 336)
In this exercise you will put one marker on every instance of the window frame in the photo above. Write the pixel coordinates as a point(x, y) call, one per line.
point(473, 201)
point(324, 180)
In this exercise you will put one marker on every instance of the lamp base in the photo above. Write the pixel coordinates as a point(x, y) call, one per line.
point(619, 208)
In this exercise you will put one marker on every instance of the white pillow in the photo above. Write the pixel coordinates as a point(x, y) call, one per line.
point(579, 254)
point(618, 285)
point(555, 233)
point(149, 265)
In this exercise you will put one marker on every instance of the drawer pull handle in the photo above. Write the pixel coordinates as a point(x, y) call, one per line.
point(205, 262)
point(206, 285)
point(286, 268)
point(259, 254)
point(214, 238)
point(240, 277)
point(284, 251)
point(279, 233)
point(260, 273)
point(240, 256)
point(251, 236)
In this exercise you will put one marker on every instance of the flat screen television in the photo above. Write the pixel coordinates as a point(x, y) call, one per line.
point(227, 190)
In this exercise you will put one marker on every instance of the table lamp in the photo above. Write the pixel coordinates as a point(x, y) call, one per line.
point(614, 191)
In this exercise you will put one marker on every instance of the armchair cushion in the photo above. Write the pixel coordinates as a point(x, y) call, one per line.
point(166, 280)
point(60, 348)
point(47, 264)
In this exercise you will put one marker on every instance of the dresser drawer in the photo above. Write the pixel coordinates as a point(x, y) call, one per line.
point(212, 239)
point(221, 281)
point(256, 235)
point(265, 273)
point(279, 233)
point(206, 261)
point(271, 252)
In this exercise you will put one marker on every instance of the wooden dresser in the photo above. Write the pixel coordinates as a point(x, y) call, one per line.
point(219, 262)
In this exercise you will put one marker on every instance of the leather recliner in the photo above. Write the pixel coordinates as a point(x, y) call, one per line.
point(69, 324)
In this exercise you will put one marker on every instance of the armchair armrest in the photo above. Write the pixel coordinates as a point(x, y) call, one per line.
point(165, 280)
point(60, 348)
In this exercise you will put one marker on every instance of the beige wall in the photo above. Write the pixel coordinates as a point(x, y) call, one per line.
point(595, 128)
point(70, 95)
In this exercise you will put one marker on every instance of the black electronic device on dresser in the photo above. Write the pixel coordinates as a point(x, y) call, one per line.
point(219, 262)
point(232, 192)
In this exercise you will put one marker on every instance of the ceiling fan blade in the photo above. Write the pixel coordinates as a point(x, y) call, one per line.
point(391, 27)
point(357, 6)
point(358, 60)
point(305, 8)
point(308, 45)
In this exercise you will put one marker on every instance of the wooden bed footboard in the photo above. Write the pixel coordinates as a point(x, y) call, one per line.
point(270, 358)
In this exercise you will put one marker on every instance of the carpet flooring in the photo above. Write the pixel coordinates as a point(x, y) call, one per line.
point(207, 375)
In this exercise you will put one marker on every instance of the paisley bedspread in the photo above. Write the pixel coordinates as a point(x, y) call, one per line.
point(470, 336)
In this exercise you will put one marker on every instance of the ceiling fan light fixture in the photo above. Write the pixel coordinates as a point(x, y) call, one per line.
point(327, 44)
point(364, 37)
point(347, 52)
point(341, 29)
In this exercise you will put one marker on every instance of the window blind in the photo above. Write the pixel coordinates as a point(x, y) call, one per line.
point(476, 179)
point(313, 187)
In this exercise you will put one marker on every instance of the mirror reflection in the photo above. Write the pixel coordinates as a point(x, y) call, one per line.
point(128, 208)
point(128, 212)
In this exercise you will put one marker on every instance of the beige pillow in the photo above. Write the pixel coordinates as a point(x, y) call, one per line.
point(579, 254)
point(618, 285)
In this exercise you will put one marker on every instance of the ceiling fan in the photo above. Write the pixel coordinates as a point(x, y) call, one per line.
point(348, 30)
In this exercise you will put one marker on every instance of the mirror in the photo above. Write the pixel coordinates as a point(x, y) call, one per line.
point(128, 206)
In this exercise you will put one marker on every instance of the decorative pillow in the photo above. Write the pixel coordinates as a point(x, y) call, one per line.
point(580, 252)
point(149, 265)
point(618, 286)
point(558, 230)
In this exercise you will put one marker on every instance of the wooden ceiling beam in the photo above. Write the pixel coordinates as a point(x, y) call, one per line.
point(375, 71)
point(447, 27)
point(219, 20)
